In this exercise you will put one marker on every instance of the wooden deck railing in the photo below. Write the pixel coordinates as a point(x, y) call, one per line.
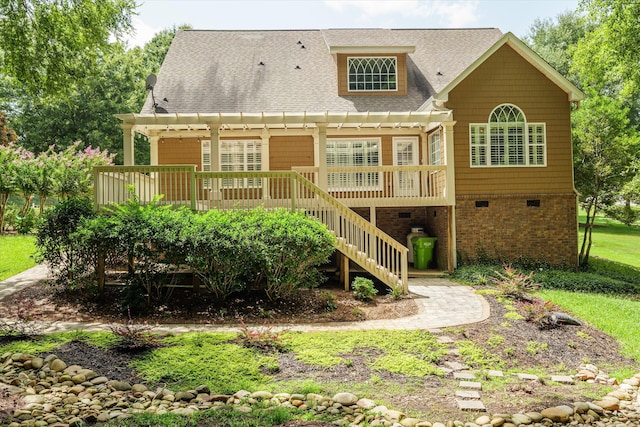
point(358, 239)
point(381, 185)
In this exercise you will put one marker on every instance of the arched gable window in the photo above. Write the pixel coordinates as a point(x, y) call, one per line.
point(507, 139)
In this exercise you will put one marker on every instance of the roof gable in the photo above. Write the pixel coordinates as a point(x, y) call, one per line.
point(574, 94)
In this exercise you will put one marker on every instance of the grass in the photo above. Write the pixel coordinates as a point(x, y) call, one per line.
point(16, 254)
point(615, 315)
point(614, 241)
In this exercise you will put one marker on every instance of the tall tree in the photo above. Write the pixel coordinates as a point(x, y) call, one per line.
point(604, 150)
point(86, 113)
point(556, 40)
point(605, 126)
point(607, 57)
point(48, 45)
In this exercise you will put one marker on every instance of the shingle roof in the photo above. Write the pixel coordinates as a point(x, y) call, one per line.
point(221, 71)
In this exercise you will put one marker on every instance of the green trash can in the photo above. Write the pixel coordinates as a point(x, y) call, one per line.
point(422, 251)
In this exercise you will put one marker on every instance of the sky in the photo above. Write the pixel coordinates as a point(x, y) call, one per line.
point(514, 16)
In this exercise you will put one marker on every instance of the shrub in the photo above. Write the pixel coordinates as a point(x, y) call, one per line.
point(134, 337)
point(263, 338)
point(514, 285)
point(221, 252)
point(291, 246)
point(149, 238)
point(539, 312)
point(363, 289)
point(58, 245)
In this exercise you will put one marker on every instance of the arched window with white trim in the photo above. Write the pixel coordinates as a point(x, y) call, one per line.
point(507, 139)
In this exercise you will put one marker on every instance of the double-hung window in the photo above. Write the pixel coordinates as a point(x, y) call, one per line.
point(352, 153)
point(507, 140)
point(377, 74)
point(434, 149)
point(241, 156)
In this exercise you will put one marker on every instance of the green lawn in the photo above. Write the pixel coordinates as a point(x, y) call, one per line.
point(614, 241)
point(16, 254)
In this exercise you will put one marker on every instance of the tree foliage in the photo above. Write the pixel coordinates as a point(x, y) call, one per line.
point(7, 134)
point(594, 51)
point(607, 57)
point(556, 40)
point(50, 45)
point(86, 113)
point(604, 150)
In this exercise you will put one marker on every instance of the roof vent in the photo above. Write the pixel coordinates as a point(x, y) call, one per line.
point(298, 67)
point(299, 42)
point(302, 47)
point(439, 74)
point(261, 63)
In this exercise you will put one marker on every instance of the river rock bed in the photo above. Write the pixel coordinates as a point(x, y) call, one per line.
point(39, 392)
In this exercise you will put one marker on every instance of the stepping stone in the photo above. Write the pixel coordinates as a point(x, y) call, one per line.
point(464, 376)
point(494, 373)
point(456, 366)
point(473, 385)
point(445, 340)
point(564, 379)
point(528, 377)
point(454, 352)
point(470, 405)
point(467, 394)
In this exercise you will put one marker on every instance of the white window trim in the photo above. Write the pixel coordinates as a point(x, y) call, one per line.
point(205, 150)
point(487, 143)
point(435, 148)
point(377, 187)
point(350, 58)
point(247, 183)
point(410, 179)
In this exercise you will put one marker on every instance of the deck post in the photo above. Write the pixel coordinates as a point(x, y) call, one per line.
point(194, 190)
point(321, 161)
point(127, 136)
point(451, 194)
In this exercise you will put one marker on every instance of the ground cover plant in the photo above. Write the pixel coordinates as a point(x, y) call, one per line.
point(16, 254)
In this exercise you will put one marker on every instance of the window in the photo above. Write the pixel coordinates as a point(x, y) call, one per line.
point(349, 153)
point(507, 140)
point(376, 74)
point(235, 156)
point(434, 149)
point(405, 153)
point(206, 162)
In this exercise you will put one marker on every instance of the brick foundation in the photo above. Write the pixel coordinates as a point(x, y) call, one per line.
point(535, 227)
point(397, 223)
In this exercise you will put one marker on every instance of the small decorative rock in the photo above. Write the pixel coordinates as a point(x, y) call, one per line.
point(346, 399)
point(57, 365)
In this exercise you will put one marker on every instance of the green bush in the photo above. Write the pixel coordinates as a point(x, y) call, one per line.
point(602, 276)
point(149, 238)
point(221, 252)
point(69, 260)
point(291, 246)
point(363, 289)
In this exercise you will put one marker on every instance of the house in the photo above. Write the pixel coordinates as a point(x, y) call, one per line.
point(465, 132)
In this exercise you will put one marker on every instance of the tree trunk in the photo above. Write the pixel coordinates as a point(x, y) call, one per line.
point(587, 239)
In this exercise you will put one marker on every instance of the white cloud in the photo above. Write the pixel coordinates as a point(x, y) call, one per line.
point(143, 33)
point(448, 13)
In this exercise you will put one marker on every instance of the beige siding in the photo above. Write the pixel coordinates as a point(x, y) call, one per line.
point(288, 151)
point(507, 78)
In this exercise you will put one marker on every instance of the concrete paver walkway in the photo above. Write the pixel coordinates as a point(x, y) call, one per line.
point(441, 304)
